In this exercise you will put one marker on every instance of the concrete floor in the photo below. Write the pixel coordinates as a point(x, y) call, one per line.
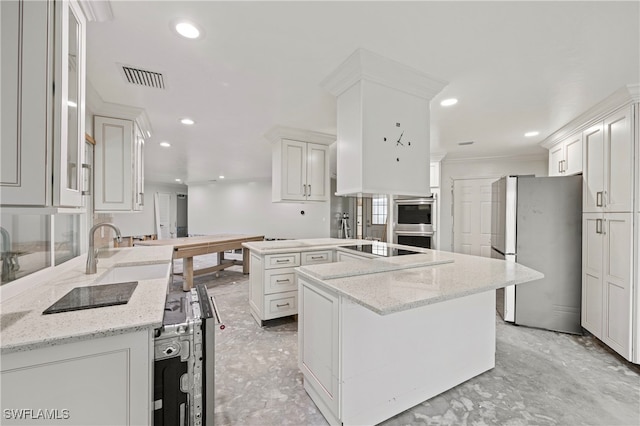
point(540, 377)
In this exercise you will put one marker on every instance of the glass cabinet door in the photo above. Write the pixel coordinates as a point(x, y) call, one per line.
point(69, 106)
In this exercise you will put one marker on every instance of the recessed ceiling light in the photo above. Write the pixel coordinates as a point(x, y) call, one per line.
point(178, 180)
point(187, 121)
point(449, 102)
point(531, 134)
point(165, 144)
point(221, 177)
point(187, 29)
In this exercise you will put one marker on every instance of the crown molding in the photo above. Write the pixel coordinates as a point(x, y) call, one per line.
point(514, 157)
point(366, 65)
point(276, 133)
point(96, 10)
point(622, 97)
point(97, 106)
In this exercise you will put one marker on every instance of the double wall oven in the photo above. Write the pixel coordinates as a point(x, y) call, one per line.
point(415, 222)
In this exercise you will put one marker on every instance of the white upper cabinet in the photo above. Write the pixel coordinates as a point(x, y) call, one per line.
point(300, 161)
point(118, 165)
point(609, 164)
point(565, 158)
point(43, 46)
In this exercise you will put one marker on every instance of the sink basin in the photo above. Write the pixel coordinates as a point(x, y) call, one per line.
point(135, 273)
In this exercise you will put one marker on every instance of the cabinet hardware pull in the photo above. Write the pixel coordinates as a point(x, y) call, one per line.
point(283, 281)
point(309, 195)
point(88, 168)
point(304, 190)
point(317, 257)
point(598, 226)
point(560, 166)
point(282, 260)
point(604, 199)
point(603, 226)
point(599, 199)
point(281, 306)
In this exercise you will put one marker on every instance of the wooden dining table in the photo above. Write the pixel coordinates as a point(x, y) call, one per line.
point(186, 248)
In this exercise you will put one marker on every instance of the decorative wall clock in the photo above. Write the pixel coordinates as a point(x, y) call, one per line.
point(401, 141)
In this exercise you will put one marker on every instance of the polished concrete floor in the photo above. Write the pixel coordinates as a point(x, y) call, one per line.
point(540, 377)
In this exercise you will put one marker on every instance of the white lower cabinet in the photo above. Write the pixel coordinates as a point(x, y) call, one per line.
point(360, 370)
point(607, 245)
point(107, 380)
point(273, 291)
point(342, 257)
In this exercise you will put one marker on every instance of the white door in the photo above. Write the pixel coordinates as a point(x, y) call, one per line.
point(573, 155)
point(592, 256)
point(163, 215)
point(472, 216)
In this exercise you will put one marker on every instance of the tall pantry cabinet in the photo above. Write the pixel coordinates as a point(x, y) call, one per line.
point(610, 235)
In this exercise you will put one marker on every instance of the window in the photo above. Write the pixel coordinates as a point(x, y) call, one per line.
point(379, 210)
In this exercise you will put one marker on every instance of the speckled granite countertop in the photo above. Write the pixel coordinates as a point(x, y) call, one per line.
point(23, 327)
point(410, 287)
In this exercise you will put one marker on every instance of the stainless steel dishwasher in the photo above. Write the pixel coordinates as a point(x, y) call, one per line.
point(184, 366)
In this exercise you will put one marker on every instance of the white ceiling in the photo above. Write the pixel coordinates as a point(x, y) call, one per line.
point(514, 66)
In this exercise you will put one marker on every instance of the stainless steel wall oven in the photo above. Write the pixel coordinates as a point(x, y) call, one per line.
point(415, 222)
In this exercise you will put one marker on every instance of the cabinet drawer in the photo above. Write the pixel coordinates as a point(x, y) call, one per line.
point(314, 257)
point(286, 260)
point(279, 280)
point(281, 304)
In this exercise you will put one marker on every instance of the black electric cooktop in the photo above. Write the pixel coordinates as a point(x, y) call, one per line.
point(379, 250)
point(95, 296)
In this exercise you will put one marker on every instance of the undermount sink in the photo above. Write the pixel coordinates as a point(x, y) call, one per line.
point(135, 273)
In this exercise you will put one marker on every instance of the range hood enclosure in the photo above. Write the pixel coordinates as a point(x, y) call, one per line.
point(383, 126)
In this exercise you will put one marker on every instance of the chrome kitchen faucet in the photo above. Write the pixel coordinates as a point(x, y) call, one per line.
point(92, 255)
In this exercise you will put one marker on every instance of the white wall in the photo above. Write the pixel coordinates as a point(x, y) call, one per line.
point(246, 208)
point(476, 169)
point(143, 222)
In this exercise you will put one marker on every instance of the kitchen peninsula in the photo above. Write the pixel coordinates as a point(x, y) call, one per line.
point(380, 334)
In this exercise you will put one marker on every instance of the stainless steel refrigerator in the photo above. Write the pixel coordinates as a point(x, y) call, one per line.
point(537, 221)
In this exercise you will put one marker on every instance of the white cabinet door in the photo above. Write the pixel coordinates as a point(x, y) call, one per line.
point(573, 155)
point(556, 155)
point(294, 170)
point(69, 111)
point(617, 273)
point(593, 189)
point(138, 165)
point(618, 157)
point(113, 167)
point(318, 343)
point(26, 140)
point(592, 289)
point(300, 171)
point(607, 267)
point(317, 172)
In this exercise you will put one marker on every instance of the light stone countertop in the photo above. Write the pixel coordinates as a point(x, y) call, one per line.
point(309, 244)
point(23, 326)
point(403, 289)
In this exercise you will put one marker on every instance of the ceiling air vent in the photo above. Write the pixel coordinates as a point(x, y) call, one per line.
point(142, 77)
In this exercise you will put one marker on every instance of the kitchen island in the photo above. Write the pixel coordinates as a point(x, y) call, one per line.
point(374, 343)
point(88, 365)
